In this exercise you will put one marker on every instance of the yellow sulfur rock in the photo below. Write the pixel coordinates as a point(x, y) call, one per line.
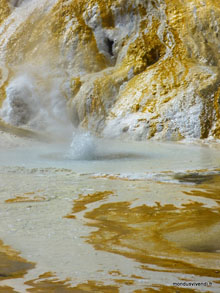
point(147, 69)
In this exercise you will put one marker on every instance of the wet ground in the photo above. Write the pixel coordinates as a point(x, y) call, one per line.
point(134, 217)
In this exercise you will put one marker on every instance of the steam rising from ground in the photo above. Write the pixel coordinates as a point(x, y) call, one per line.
point(21, 105)
point(36, 100)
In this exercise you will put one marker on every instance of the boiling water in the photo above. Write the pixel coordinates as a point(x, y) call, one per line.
point(88, 154)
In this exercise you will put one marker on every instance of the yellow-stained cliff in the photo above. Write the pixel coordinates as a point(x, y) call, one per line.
point(136, 69)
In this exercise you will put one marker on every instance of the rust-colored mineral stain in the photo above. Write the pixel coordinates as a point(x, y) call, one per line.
point(69, 216)
point(83, 200)
point(11, 264)
point(165, 289)
point(29, 193)
point(125, 282)
point(113, 177)
point(115, 273)
point(6, 289)
point(143, 233)
point(93, 286)
point(137, 277)
point(20, 199)
point(49, 283)
point(47, 275)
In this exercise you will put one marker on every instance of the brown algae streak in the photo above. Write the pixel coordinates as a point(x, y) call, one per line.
point(154, 235)
point(83, 200)
point(49, 283)
point(7, 289)
point(11, 264)
point(166, 289)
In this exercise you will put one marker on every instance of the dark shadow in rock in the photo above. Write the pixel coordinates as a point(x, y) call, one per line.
point(16, 3)
point(153, 56)
point(109, 43)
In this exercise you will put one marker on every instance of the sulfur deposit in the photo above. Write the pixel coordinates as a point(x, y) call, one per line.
point(141, 69)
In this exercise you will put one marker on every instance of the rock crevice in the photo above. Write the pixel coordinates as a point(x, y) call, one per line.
point(147, 69)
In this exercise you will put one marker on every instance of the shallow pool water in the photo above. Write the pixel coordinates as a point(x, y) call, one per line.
point(114, 156)
point(116, 217)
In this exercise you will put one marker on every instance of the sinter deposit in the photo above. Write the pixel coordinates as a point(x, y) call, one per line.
point(79, 210)
point(134, 69)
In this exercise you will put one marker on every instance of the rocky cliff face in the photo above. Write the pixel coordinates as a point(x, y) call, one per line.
point(137, 69)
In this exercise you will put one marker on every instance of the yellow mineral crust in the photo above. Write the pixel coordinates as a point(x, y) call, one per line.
point(4, 10)
point(148, 69)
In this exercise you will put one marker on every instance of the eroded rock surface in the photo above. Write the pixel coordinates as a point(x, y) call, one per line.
point(137, 69)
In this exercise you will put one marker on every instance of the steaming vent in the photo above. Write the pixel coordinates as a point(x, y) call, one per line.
point(34, 100)
point(20, 106)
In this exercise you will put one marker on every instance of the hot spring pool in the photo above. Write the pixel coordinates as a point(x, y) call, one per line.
point(109, 216)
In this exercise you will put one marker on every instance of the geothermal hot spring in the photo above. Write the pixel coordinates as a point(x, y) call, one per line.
point(84, 214)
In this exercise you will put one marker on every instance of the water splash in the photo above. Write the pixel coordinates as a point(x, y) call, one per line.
point(83, 146)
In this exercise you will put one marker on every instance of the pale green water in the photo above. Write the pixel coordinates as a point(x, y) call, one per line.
point(115, 157)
